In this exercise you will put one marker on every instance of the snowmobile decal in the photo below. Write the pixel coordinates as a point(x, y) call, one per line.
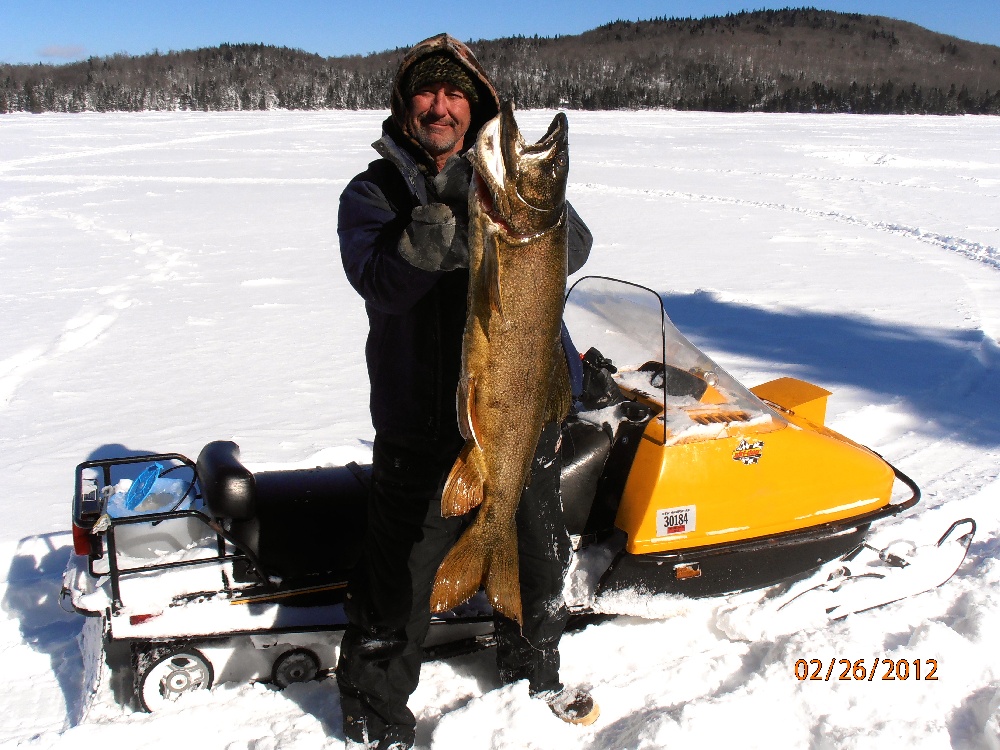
point(749, 453)
point(686, 571)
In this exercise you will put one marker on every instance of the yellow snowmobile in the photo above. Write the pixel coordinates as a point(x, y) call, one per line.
point(720, 488)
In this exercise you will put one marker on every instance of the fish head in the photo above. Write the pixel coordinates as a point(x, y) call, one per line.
point(537, 172)
point(526, 182)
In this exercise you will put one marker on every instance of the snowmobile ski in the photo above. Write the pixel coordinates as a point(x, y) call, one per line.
point(868, 578)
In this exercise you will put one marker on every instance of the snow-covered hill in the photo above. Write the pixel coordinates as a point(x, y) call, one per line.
point(170, 279)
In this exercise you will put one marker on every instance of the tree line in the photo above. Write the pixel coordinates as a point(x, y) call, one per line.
point(792, 60)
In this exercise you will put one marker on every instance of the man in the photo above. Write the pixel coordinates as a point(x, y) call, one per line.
point(403, 227)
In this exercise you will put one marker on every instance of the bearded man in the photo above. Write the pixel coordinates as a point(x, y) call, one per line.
point(403, 229)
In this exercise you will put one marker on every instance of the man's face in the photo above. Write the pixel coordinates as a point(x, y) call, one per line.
point(438, 116)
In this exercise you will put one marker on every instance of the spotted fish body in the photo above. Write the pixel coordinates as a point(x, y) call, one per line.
point(514, 373)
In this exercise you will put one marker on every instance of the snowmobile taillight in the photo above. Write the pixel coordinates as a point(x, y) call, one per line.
point(139, 619)
point(81, 540)
point(689, 570)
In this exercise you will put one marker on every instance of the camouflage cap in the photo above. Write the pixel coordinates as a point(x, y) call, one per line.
point(440, 67)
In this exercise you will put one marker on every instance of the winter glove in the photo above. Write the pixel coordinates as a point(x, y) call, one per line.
point(434, 239)
point(437, 238)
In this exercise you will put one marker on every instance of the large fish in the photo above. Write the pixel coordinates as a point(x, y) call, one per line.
point(514, 372)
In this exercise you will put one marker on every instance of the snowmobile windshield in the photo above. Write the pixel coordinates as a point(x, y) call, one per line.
point(657, 365)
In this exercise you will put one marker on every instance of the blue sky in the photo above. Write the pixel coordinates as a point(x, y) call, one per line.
point(55, 31)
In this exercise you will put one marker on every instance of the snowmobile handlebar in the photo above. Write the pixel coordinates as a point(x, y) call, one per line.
point(893, 509)
point(914, 498)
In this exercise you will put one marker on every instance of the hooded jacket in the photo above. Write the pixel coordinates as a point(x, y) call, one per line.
point(416, 317)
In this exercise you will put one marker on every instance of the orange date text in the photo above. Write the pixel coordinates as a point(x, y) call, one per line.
point(864, 670)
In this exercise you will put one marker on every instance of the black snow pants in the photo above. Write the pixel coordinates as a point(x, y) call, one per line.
point(389, 594)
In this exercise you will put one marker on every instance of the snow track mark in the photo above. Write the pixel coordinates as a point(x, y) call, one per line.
point(127, 148)
point(986, 254)
point(97, 181)
point(14, 370)
point(82, 330)
point(105, 305)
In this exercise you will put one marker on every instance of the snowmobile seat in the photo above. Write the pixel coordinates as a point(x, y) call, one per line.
point(312, 520)
point(597, 455)
point(229, 492)
point(298, 523)
point(227, 485)
point(585, 449)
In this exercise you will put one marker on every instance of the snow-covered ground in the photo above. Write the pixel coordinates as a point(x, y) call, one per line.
point(171, 279)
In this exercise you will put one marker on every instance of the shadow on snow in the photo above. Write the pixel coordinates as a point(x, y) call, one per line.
point(33, 596)
point(949, 380)
point(34, 582)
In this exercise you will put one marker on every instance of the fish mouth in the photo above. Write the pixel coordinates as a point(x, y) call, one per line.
point(517, 177)
point(486, 195)
point(490, 173)
point(515, 149)
point(535, 171)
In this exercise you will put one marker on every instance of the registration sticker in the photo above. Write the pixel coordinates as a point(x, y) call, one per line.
point(675, 520)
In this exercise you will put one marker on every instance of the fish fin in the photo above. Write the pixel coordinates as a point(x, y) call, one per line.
point(462, 571)
point(462, 407)
point(468, 419)
point(560, 392)
point(503, 580)
point(463, 490)
point(491, 274)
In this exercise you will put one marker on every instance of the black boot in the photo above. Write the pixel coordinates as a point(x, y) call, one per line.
point(396, 737)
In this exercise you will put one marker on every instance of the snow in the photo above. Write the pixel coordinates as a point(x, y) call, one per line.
point(171, 279)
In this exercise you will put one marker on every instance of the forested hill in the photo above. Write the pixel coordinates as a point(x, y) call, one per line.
point(777, 61)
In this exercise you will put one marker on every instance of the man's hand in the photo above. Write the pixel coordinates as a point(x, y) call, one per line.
point(437, 238)
point(434, 240)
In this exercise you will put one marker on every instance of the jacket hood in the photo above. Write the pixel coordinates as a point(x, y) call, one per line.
point(485, 110)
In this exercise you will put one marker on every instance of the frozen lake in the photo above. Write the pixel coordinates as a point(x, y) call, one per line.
point(171, 279)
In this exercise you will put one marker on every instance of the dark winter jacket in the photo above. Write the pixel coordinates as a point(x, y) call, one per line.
point(416, 317)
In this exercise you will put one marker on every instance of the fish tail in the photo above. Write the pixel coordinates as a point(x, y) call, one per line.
point(462, 572)
point(463, 489)
point(503, 580)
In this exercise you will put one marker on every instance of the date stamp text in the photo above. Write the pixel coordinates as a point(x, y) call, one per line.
point(863, 670)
